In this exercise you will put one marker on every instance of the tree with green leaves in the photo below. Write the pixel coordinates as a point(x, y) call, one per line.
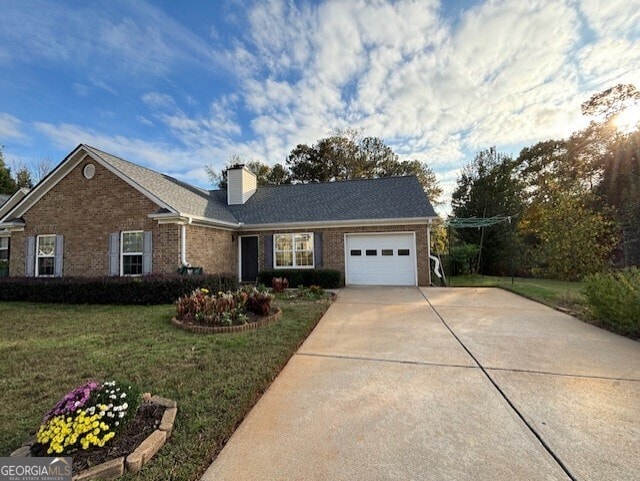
point(7, 184)
point(489, 186)
point(23, 178)
point(615, 148)
point(265, 175)
point(348, 155)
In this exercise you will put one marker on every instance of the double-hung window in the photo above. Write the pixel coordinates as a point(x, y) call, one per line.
point(131, 250)
point(4, 249)
point(293, 250)
point(45, 255)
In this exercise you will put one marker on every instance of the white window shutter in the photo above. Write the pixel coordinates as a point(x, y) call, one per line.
point(57, 259)
point(114, 254)
point(147, 251)
point(30, 257)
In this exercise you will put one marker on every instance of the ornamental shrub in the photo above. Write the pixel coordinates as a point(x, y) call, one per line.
point(614, 299)
point(145, 290)
point(325, 278)
point(223, 308)
point(91, 415)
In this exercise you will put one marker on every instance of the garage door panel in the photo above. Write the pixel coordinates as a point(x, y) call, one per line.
point(381, 259)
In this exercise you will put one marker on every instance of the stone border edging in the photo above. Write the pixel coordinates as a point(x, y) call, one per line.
point(263, 322)
point(134, 461)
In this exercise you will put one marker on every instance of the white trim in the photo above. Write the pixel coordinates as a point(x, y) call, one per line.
point(428, 254)
point(12, 201)
point(122, 253)
point(293, 251)
point(172, 218)
point(38, 256)
point(415, 250)
point(240, 254)
point(338, 223)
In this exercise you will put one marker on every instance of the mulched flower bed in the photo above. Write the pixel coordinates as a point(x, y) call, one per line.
point(146, 420)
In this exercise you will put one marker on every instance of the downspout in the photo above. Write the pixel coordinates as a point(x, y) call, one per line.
point(183, 244)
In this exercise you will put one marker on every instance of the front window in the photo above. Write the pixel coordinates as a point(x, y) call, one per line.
point(293, 250)
point(131, 253)
point(4, 249)
point(46, 251)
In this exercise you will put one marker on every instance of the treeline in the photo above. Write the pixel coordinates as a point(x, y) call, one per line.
point(574, 203)
point(345, 155)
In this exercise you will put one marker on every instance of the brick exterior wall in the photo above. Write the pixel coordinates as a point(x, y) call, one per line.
point(333, 245)
point(85, 212)
point(216, 250)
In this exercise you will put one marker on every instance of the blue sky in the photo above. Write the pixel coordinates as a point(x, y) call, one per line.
point(177, 85)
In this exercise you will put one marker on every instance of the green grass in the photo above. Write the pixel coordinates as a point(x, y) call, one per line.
point(47, 350)
point(557, 294)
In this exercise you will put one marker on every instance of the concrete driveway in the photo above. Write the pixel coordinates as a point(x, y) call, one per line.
point(445, 384)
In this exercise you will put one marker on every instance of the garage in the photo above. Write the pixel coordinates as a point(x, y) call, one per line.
point(387, 259)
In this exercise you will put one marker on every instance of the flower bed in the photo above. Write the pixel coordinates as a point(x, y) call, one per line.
point(224, 309)
point(106, 428)
point(89, 416)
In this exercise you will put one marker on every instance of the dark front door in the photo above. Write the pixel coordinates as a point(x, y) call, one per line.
point(249, 259)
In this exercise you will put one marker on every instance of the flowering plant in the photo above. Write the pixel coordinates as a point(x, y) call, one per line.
point(90, 415)
point(223, 308)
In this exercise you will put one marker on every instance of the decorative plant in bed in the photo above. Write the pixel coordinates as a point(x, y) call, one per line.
point(97, 422)
point(243, 309)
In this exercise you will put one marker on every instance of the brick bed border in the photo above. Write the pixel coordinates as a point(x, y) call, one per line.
point(264, 321)
point(134, 461)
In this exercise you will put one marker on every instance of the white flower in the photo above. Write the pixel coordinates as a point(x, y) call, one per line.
point(123, 395)
point(125, 406)
point(121, 414)
point(117, 423)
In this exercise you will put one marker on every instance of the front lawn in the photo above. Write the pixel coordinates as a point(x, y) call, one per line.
point(47, 350)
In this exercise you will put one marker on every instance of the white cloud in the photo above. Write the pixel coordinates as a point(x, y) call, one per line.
point(10, 127)
point(158, 100)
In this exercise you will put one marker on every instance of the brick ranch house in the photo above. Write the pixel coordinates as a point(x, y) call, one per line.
point(96, 214)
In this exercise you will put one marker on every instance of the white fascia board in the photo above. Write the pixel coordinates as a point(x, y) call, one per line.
point(11, 227)
point(171, 218)
point(339, 223)
point(12, 202)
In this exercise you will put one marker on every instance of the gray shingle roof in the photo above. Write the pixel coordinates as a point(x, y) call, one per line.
point(364, 199)
point(385, 198)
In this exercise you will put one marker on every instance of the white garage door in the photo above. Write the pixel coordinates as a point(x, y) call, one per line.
point(381, 259)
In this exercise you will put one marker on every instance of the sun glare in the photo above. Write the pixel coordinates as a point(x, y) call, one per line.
point(628, 120)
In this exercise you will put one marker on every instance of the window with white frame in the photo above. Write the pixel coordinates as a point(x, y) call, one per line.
point(131, 249)
point(45, 255)
point(4, 249)
point(293, 250)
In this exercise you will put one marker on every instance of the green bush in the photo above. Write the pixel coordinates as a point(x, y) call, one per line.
point(325, 278)
point(145, 290)
point(614, 299)
point(462, 259)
